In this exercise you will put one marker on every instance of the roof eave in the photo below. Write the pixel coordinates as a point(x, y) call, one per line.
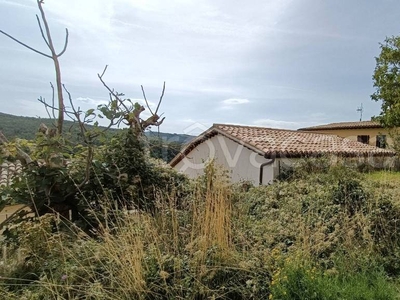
point(192, 144)
point(339, 128)
point(306, 154)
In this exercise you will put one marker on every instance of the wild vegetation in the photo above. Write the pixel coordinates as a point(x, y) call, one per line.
point(331, 234)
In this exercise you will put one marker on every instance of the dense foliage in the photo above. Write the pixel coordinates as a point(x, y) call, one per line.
point(387, 81)
point(66, 183)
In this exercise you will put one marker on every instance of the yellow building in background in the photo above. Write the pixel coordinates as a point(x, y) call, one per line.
point(367, 132)
point(9, 210)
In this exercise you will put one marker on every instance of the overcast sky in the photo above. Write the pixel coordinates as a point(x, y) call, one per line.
point(277, 63)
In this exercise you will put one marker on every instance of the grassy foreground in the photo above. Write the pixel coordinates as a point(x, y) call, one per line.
point(328, 234)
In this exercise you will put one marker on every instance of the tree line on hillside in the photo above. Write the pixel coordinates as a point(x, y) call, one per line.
point(161, 145)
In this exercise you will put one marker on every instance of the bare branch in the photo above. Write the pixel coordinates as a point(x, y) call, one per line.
point(145, 99)
point(49, 40)
point(161, 97)
point(77, 114)
point(54, 57)
point(52, 99)
point(25, 45)
point(41, 31)
point(47, 109)
point(106, 86)
point(131, 115)
point(65, 43)
point(104, 71)
point(112, 92)
point(45, 32)
point(43, 101)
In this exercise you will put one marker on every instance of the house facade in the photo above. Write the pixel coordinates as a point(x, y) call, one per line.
point(258, 154)
point(367, 132)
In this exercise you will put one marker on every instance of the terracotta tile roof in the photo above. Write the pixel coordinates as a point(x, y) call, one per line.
point(7, 171)
point(344, 125)
point(271, 142)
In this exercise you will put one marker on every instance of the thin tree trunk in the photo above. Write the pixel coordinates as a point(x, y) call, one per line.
point(54, 55)
point(61, 107)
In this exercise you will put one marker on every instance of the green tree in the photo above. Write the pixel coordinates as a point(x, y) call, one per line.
point(162, 149)
point(387, 82)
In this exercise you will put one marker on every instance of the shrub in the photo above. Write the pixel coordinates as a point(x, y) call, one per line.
point(298, 279)
point(120, 172)
point(385, 218)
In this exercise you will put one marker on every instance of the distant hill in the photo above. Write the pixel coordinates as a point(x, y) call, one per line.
point(26, 128)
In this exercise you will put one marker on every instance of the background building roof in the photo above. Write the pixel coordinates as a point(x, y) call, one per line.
point(344, 125)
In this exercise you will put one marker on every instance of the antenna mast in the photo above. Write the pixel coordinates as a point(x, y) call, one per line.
point(360, 110)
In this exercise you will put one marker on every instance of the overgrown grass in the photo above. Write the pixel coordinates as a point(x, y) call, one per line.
point(298, 279)
point(384, 176)
point(181, 251)
point(331, 234)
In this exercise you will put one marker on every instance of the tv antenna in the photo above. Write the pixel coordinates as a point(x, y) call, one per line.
point(360, 110)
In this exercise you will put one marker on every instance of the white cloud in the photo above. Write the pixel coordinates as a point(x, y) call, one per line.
point(235, 101)
point(91, 101)
point(85, 99)
point(277, 124)
point(231, 103)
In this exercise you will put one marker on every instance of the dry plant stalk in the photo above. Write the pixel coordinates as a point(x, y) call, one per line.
point(212, 219)
point(217, 215)
point(126, 250)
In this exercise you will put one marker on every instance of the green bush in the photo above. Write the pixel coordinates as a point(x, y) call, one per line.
point(298, 280)
point(120, 172)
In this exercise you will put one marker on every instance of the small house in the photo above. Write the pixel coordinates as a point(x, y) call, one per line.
point(258, 154)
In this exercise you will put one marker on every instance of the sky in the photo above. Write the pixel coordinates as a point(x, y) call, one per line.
point(273, 63)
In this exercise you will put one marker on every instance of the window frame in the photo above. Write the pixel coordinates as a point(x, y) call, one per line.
point(381, 141)
point(363, 139)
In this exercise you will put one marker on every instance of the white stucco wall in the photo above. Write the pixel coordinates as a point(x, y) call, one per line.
point(241, 163)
